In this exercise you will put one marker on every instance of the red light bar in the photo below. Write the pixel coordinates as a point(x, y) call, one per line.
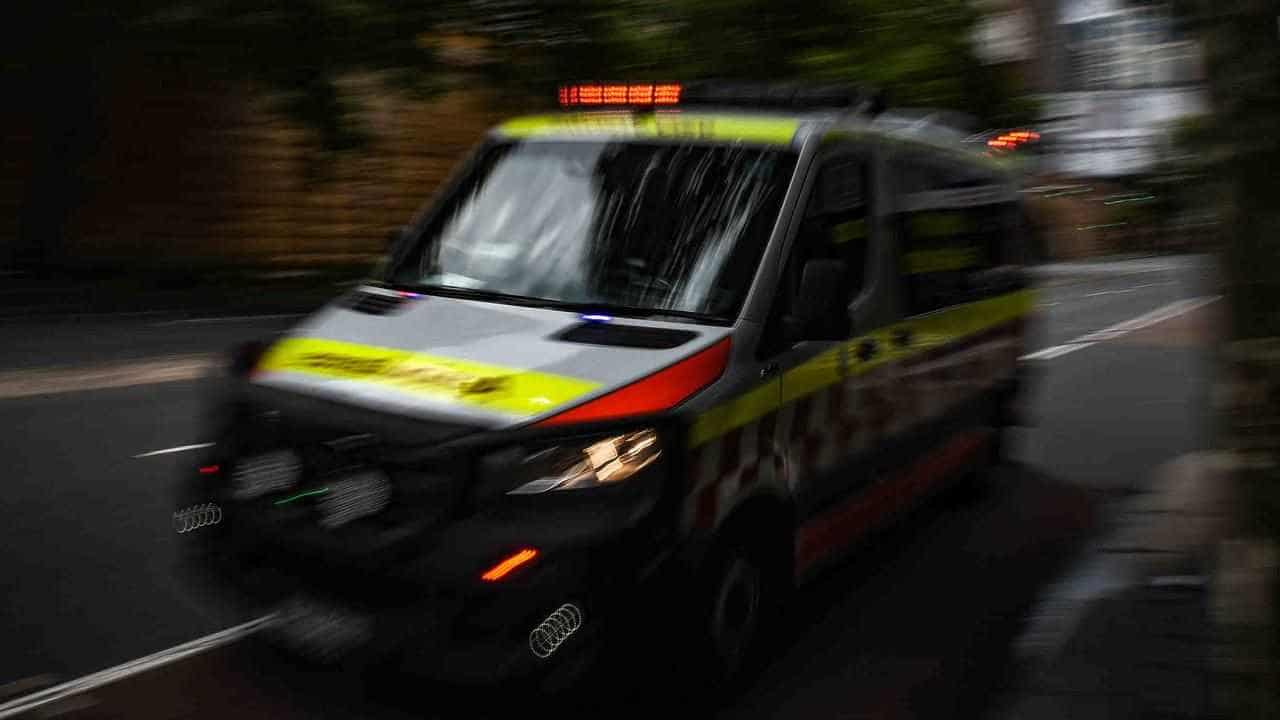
point(1013, 138)
point(662, 390)
point(643, 94)
point(511, 562)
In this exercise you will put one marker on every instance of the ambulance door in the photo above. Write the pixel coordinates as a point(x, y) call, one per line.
point(831, 292)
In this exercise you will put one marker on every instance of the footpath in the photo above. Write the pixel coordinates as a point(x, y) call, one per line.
point(1145, 623)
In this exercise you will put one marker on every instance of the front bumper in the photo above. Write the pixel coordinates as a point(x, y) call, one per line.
point(405, 584)
point(426, 615)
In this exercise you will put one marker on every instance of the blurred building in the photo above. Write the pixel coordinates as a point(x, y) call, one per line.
point(1115, 79)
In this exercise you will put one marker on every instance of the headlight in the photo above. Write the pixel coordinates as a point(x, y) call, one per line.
point(601, 462)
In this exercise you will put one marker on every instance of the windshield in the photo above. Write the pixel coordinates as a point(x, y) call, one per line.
point(624, 225)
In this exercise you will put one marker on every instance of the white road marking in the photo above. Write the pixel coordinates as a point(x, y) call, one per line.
point(1055, 351)
point(1122, 291)
point(228, 319)
point(26, 383)
point(1159, 315)
point(180, 448)
point(133, 667)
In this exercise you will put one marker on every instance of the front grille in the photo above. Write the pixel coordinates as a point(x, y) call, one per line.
point(310, 522)
point(334, 445)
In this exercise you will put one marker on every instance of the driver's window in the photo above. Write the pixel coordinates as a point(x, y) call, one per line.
point(834, 228)
point(835, 225)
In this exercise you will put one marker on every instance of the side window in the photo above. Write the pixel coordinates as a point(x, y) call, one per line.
point(835, 228)
point(835, 221)
point(951, 234)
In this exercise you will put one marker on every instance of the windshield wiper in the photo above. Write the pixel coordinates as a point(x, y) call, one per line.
point(476, 294)
point(602, 308)
point(642, 312)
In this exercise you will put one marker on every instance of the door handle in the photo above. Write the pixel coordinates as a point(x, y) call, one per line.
point(902, 337)
point(768, 371)
point(867, 349)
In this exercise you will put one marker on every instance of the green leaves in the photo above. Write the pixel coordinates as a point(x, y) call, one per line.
point(300, 50)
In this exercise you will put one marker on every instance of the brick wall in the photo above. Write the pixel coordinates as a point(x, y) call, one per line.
point(189, 171)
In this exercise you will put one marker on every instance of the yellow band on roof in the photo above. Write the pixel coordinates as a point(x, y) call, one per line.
point(766, 131)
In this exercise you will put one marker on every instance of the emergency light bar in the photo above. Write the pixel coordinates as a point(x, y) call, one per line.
point(642, 94)
point(1011, 140)
point(795, 96)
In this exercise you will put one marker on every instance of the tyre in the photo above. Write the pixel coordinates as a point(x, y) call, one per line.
point(742, 588)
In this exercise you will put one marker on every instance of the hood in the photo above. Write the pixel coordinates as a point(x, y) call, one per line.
point(469, 361)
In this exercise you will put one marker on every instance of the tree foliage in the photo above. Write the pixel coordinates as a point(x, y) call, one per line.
point(1242, 150)
point(300, 49)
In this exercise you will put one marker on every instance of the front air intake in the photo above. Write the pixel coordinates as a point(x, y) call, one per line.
point(628, 336)
point(373, 302)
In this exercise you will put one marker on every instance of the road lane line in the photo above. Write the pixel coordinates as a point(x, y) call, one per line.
point(178, 449)
point(1055, 351)
point(133, 667)
point(26, 383)
point(1122, 291)
point(1159, 315)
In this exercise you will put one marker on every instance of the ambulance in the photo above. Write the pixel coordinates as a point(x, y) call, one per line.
point(650, 361)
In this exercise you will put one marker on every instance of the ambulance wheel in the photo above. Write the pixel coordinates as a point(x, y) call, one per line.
point(740, 592)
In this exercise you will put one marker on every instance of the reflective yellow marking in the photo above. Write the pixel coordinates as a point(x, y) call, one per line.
point(931, 260)
point(849, 230)
point(937, 224)
point(927, 332)
point(510, 390)
point(723, 418)
point(677, 125)
point(811, 376)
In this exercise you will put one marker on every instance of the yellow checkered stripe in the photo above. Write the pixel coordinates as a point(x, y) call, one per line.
point(508, 390)
point(928, 332)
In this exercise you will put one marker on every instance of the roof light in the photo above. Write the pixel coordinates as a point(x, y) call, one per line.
point(1012, 139)
point(508, 564)
point(595, 317)
point(643, 94)
point(660, 391)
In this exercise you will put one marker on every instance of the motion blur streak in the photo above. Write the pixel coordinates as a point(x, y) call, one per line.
point(504, 568)
point(28, 383)
point(84, 684)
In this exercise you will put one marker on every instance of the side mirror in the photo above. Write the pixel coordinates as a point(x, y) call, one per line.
point(819, 311)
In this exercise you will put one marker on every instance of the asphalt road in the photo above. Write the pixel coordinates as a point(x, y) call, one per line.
point(917, 624)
